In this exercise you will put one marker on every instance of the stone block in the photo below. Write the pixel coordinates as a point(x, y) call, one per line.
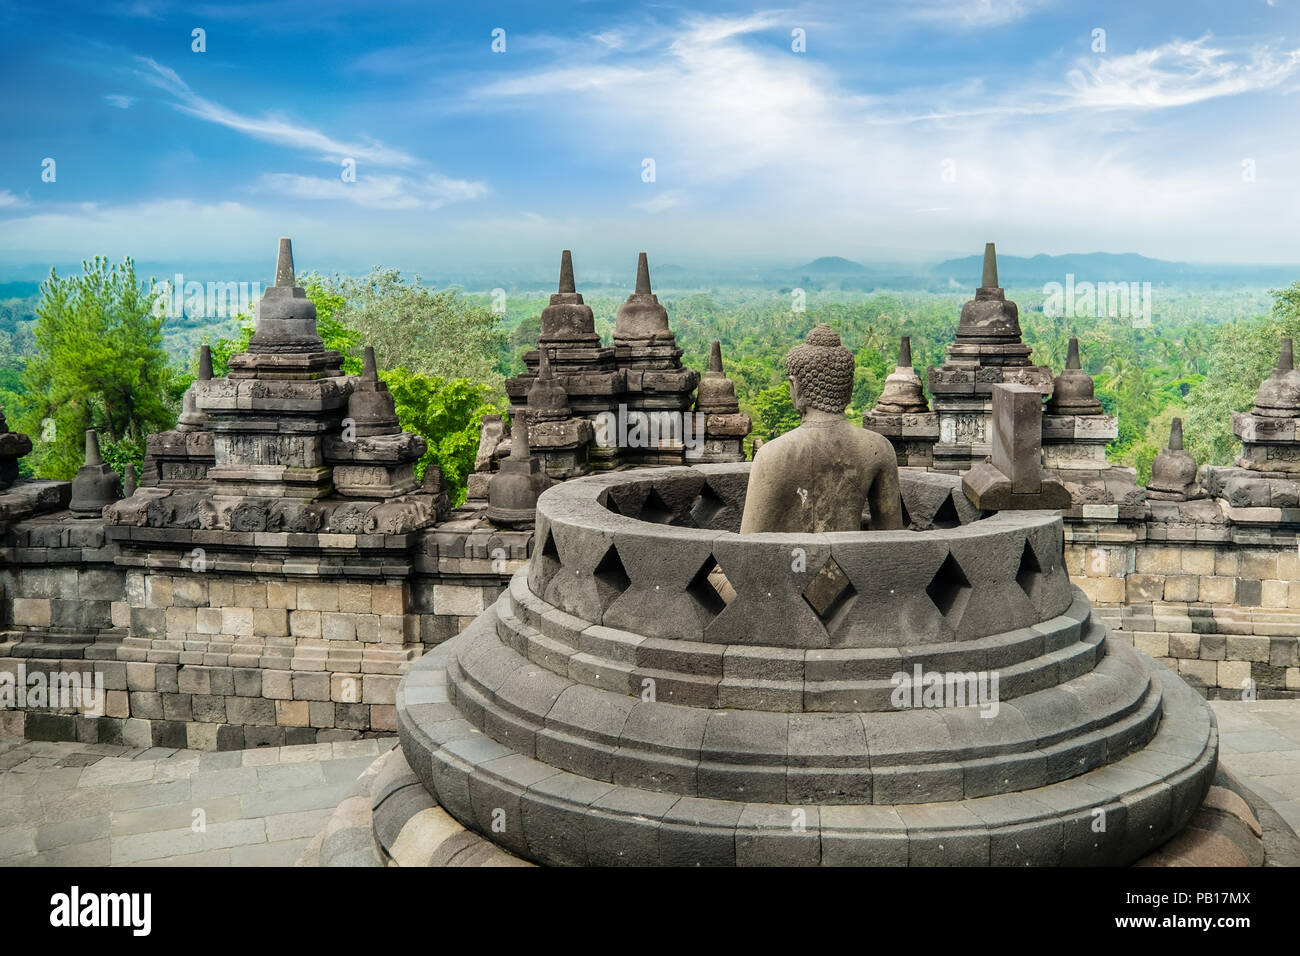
point(1273, 593)
point(1144, 588)
point(1185, 646)
point(336, 626)
point(305, 623)
point(1182, 588)
point(1218, 590)
point(208, 709)
point(291, 713)
point(237, 621)
point(270, 622)
point(250, 596)
point(141, 676)
point(194, 680)
point(318, 596)
point(1202, 561)
point(248, 681)
point(1202, 673)
point(277, 684)
point(31, 612)
point(281, 595)
point(1248, 647)
point(311, 685)
point(1234, 675)
point(346, 688)
point(251, 710)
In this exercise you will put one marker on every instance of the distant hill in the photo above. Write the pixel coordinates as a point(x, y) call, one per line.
point(18, 290)
point(833, 265)
point(1107, 267)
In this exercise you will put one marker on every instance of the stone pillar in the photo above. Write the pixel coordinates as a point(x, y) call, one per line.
point(903, 415)
point(988, 351)
point(1013, 478)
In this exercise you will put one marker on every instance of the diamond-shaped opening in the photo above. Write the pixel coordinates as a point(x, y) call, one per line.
point(1030, 573)
point(548, 560)
point(949, 589)
point(946, 516)
point(610, 504)
point(655, 510)
point(707, 506)
point(611, 578)
point(907, 515)
point(829, 593)
point(710, 587)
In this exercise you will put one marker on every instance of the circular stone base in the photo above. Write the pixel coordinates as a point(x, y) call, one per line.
point(1111, 815)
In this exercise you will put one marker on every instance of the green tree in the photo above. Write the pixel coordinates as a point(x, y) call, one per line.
point(438, 333)
point(449, 414)
point(773, 413)
point(100, 364)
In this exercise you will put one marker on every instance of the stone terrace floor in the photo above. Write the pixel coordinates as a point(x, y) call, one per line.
point(96, 805)
point(69, 804)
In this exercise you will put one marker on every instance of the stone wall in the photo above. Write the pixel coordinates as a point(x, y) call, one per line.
point(257, 643)
point(1220, 606)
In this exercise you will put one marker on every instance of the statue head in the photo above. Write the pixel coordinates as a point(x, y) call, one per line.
point(820, 372)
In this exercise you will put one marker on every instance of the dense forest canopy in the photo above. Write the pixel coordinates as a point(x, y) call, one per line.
point(91, 351)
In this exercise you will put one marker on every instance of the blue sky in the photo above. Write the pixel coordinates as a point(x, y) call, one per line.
point(906, 131)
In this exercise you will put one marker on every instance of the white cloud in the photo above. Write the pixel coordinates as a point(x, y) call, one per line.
point(1179, 73)
point(775, 140)
point(8, 199)
point(660, 202)
point(967, 14)
point(119, 100)
point(271, 129)
point(376, 191)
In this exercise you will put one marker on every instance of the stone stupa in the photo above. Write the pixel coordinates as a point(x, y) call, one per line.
point(587, 369)
point(988, 351)
point(903, 415)
point(723, 426)
point(659, 389)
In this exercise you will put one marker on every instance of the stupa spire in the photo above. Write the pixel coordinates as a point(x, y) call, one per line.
point(566, 272)
point(715, 358)
point(1176, 435)
point(905, 352)
point(990, 280)
point(284, 264)
point(1072, 354)
point(205, 363)
point(368, 365)
point(642, 274)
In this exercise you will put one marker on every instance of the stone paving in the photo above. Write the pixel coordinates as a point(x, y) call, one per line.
point(1260, 743)
point(96, 805)
point(76, 804)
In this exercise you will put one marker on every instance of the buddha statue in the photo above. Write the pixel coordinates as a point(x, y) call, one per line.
point(820, 476)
